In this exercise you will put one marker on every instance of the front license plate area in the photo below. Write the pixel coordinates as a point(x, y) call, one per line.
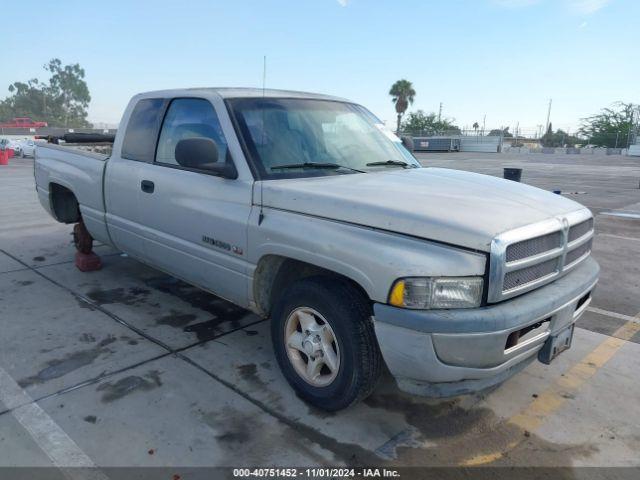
point(556, 344)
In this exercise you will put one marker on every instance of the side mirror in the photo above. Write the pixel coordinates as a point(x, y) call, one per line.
point(408, 143)
point(202, 154)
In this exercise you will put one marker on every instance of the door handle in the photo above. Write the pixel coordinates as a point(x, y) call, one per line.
point(147, 186)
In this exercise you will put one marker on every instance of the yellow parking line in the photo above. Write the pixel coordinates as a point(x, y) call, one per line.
point(554, 397)
point(489, 457)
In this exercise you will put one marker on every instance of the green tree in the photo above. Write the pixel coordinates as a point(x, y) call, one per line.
point(419, 122)
point(547, 139)
point(504, 132)
point(63, 101)
point(70, 92)
point(559, 138)
point(27, 99)
point(402, 93)
point(475, 126)
point(612, 126)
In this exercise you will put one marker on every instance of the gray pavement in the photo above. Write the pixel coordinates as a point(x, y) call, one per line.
point(131, 367)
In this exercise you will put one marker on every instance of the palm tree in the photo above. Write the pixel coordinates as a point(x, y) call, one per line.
point(476, 127)
point(402, 92)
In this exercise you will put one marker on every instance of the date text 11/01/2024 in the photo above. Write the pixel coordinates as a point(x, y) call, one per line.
point(316, 472)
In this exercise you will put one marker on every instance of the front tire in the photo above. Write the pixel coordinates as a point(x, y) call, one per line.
point(324, 342)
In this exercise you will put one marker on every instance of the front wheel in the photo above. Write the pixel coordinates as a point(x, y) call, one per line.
point(324, 342)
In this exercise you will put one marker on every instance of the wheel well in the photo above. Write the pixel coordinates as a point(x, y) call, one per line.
point(275, 273)
point(64, 204)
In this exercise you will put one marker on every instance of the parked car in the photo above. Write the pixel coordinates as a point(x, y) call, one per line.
point(14, 145)
point(305, 209)
point(22, 122)
point(27, 148)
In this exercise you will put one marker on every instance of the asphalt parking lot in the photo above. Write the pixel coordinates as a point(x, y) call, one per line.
point(130, 367)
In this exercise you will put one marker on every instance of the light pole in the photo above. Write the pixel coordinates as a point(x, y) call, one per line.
point(546, 127)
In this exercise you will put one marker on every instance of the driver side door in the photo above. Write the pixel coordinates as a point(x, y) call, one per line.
point(195, 222)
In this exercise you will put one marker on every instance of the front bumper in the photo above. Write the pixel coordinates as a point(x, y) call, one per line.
point(443, 353)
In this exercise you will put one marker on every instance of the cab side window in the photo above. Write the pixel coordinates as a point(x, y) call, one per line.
point(189, 118)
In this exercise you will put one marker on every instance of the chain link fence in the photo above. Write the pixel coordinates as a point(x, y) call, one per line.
point(524, 140)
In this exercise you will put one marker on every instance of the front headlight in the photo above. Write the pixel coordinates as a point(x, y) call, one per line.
point(437, 292)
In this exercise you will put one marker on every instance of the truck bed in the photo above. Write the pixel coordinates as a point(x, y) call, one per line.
point(78, 171)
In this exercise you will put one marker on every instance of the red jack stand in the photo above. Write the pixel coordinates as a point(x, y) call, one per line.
point(88, 262)
point(86, 259)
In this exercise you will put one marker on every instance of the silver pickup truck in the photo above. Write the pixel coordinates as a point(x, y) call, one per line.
point(305, 209)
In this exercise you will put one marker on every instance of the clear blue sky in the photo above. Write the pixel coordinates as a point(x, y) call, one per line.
point(502, 58)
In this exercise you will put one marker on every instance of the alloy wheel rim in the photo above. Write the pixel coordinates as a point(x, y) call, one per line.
point(312, 346)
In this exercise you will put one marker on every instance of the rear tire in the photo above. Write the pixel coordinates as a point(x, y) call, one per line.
point(338, 303)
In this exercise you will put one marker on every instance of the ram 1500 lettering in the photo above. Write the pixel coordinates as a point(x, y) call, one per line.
point(305, 209)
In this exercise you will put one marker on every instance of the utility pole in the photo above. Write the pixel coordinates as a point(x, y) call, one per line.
point(546, 127)
point(440, 113)
point(631, 127)
point(484, 122)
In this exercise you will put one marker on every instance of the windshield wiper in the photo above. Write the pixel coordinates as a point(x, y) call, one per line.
point(398, 163)
point(315, 165)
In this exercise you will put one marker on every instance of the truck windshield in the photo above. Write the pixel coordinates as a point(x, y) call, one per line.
point(286, 138)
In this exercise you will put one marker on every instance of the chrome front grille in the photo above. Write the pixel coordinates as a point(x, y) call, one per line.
point(526, 275)
point(531, 256)
point(577, 253)
point(534, 246)
point(580, 229)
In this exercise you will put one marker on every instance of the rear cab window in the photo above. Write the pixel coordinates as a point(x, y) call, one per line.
point(142, 130)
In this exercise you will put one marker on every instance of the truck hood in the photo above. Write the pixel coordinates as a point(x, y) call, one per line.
point(451, 206)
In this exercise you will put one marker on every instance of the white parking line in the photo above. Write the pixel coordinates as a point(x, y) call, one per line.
point(607, 313)
point(617, 236)
point(50, 437)
point(621, 214)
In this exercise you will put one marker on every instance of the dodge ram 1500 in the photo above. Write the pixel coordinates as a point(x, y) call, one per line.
point(305, 209)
